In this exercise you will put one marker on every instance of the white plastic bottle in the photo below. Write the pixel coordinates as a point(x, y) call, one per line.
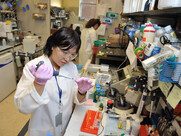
point(4, 42)
point(135, 128)
point(149, 33)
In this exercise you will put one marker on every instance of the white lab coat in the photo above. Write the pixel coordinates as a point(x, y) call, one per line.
point(88, 36)
point(44, 108)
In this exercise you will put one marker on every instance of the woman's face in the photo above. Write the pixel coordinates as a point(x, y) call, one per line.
point(60, 57)
point(96, 26)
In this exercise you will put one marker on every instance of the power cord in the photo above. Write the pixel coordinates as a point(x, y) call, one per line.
point(101, 125)
point(122, 62)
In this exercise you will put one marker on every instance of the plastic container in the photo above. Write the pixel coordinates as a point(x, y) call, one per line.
point(155, 50)
point(150, 62)
point(149, 33)
point(149, 48)
point(96, 45)
point(177, 71)
point(170, 31)
point(135, 128)
point(109, 104)
point(168, 70)
point(160, 32)
point(102, 93)
point(4, 42)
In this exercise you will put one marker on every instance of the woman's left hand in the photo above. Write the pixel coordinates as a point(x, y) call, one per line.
point(84, 84)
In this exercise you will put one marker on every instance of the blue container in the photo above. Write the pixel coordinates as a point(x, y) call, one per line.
point(167, 72)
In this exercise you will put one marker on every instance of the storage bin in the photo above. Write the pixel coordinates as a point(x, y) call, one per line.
point(96, 45)
point(114, 38)
point(167, 72)
point(163, 4)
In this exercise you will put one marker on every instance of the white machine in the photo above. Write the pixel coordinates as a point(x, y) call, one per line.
point(8, 77)
point(29, 43)
point(121, 77)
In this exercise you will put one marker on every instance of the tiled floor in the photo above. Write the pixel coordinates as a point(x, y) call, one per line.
point(11, 120)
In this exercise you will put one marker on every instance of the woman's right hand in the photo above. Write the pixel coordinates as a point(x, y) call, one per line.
point(42, 74)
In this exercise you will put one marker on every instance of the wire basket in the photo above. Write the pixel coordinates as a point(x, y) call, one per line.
point(171, 72)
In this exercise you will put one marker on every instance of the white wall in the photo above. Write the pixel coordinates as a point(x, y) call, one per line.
point(27, 23)
point(73, 7)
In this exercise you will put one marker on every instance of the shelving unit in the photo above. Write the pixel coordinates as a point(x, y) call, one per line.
point(171, 13)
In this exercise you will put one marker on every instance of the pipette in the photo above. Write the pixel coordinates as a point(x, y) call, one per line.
point(55, 73)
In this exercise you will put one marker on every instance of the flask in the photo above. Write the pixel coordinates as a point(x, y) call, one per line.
point(149, 33)
point(4, 42)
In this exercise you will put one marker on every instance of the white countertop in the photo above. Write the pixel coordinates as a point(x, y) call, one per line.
point(2, 48)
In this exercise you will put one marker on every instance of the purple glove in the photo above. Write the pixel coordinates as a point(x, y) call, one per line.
point(42, 74)
point(84, 84)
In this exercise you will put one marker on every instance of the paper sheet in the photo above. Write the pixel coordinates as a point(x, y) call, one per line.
point(2, 29)
point(101, 9)
point(174, 96)
point(101, 30)
point(131, 56)
point(165, 87)
point(112, 126)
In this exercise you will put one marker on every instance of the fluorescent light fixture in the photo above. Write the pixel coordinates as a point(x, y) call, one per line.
point(56, 3)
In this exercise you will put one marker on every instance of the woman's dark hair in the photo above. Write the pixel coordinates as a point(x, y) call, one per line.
point(64, 37)
point(92, 22)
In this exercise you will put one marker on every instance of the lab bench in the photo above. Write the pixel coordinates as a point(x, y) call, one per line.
point(110, 55)
point(7, 72)
point(107, 125)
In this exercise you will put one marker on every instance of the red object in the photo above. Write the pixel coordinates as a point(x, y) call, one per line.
point(109, 101)
point(95, 50)
point(150, 25)
point(143, 131)
point(109, 104)
point(177, 110)
point(149, 31)
point(91, 122)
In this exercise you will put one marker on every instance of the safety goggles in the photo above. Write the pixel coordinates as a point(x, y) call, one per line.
point(66, 54)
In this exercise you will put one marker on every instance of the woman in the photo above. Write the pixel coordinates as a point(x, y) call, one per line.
point(49, 99)
point(88, 36)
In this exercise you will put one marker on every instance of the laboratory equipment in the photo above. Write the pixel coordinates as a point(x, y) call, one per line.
point(103, 78)
point(8, 77)
point(142, 101)
point(167, 52)
point(91, 122)
point(121, 106)
point(55, 73)
point(153, 96)
point(122, 77)
point(29, 45)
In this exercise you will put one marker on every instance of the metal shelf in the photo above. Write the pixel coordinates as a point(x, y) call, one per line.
point(169, 13)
